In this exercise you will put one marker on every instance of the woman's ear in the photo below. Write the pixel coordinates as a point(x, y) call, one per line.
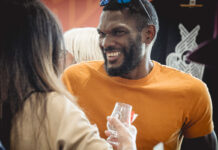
point(148, 34)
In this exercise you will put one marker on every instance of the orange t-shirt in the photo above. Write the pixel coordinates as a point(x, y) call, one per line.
point(170, 104)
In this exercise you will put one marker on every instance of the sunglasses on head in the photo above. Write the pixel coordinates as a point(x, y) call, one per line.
point(106, 2)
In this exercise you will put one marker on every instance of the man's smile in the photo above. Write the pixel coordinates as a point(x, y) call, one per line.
point(112, 56)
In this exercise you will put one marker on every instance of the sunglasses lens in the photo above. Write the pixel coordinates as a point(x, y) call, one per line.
point(104, 2)
point(123, 1)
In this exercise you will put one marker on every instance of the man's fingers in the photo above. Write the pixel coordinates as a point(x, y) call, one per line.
point(115, 123)
point(126, 125)
point(133, 130)
point(113, 141)
point(107, 133)
point(114, 145)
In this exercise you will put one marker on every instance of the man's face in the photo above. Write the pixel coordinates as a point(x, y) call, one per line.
point(120, 42)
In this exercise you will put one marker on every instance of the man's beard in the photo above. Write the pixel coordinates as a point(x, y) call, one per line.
point(132, 57)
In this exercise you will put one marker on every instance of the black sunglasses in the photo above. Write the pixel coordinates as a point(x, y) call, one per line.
point(105, 2)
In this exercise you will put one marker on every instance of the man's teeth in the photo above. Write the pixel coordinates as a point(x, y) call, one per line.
point(113, 54)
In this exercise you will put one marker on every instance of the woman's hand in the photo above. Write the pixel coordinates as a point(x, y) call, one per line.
point(125, 137)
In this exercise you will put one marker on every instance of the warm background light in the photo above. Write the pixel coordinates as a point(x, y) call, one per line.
point(75, 13)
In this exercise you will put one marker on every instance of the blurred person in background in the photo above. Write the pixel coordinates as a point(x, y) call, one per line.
point(82, 43)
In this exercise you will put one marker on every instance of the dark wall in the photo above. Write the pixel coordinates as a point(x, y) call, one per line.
point(174, 12)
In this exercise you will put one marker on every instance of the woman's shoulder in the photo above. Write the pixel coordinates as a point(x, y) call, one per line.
point(60, 102)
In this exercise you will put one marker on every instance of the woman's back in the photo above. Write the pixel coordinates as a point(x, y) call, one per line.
point(65, 126)
point(30, 44)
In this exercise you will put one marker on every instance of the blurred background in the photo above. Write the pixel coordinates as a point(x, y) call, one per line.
point(75, 13)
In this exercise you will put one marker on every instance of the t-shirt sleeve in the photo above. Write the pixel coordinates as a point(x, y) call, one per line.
point(199, 119)
point(70, 127)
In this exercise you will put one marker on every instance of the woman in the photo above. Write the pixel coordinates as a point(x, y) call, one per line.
point(35, 109)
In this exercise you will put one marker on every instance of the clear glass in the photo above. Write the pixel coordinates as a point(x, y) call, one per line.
point(122, 112)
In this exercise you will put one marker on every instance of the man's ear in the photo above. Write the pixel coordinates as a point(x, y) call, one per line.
point(148, 34)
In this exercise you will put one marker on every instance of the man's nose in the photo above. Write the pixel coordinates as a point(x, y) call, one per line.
point(107, 41)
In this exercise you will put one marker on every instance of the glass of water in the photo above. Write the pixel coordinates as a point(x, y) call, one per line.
point(122, 112)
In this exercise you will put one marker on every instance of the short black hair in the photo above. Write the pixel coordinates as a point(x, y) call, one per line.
point(136, 8)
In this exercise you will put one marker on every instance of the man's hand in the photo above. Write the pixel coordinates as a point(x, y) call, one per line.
point(126, 135)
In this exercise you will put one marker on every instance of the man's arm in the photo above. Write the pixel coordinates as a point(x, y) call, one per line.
point(207, 142)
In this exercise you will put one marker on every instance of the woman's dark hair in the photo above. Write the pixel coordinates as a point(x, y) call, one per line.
point(30, 41)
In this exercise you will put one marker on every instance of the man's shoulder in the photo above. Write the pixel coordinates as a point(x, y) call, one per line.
point(178, 76)
point(77, 76)
point(83, 71)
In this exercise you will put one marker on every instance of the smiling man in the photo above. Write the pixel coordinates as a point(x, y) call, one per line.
point(171, 105)
point(123, 41)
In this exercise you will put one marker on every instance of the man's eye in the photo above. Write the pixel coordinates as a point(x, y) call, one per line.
point(119, 33)
point(101, 34)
